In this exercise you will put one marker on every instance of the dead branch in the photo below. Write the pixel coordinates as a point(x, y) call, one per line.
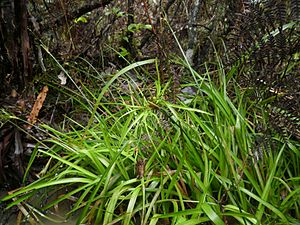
point(76, 13)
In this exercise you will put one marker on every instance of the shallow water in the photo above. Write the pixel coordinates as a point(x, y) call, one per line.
point(13, 220)
point(9, 217)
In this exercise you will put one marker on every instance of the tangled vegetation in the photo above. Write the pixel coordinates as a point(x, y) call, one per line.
point(169, 120)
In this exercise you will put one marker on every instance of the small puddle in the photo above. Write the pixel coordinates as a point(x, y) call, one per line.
point(10, 216)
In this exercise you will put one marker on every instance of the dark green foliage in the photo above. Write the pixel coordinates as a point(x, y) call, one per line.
point(295, 9)
point(265, 42)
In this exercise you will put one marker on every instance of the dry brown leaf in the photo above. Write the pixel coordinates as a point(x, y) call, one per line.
point(140, 168)
point(37, 107)
point(13, 93)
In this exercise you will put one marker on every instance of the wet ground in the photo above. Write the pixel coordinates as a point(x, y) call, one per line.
point(15, 216)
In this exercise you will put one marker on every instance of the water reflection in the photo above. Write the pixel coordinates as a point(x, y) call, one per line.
point(14, 216)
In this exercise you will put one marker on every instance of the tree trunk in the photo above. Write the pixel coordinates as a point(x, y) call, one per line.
point(14, 45)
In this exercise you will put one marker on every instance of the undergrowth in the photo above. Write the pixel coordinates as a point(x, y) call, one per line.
point(143, 158)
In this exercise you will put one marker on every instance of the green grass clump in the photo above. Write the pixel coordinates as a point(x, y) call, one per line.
point(144, 159)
